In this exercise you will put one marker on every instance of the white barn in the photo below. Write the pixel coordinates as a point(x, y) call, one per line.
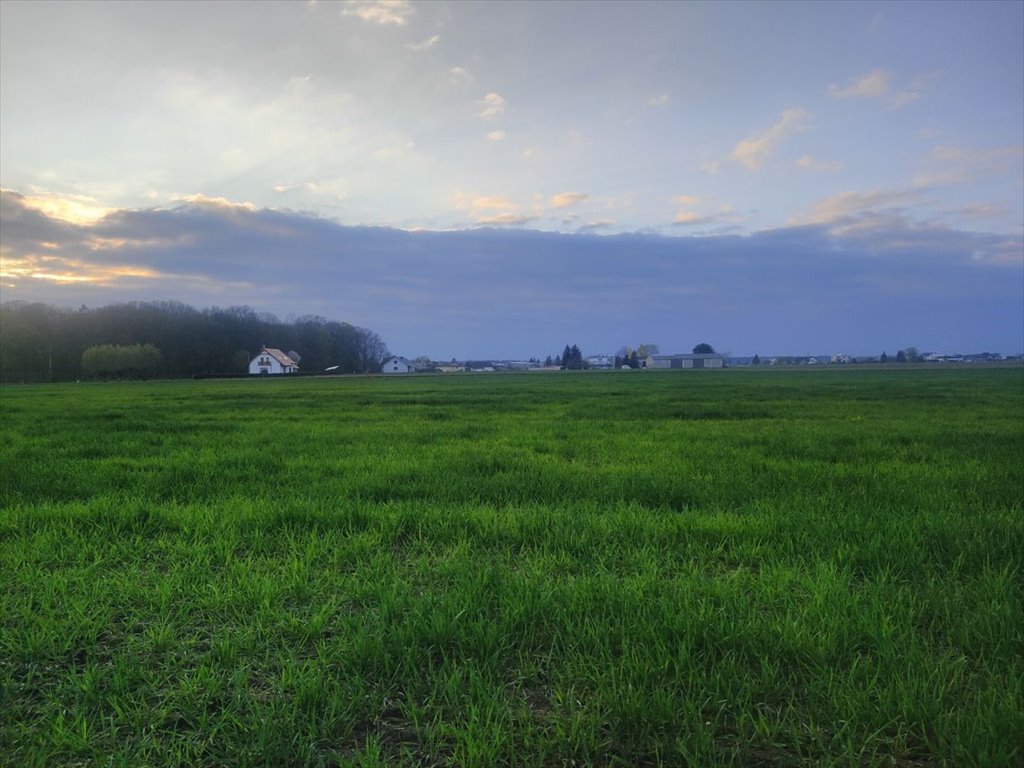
point(272, 361)
point(397, 365)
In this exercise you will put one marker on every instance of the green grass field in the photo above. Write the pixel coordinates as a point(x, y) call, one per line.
point(751, 568)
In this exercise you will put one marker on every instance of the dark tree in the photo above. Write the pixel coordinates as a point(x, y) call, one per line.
point(41, 343)
point(884, 358)
point(900, 357)
point(756, 360)
point(703, 349)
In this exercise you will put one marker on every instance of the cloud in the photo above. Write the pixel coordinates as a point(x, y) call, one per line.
point(687, 199)
point(459, 76)
point(842, 206)
point(202, 200)
point(519, 289)
point(496, 136)
point(872, 85)
point(877, 84)
point(506, 219)
point(75, 209)
point(691, 218)
point(567, 199)
point(902, 98)
point(955, 165)
point(424, 45)
point(810, 163)
point(380, 11)
point(658, 101)
point(753, 152)
point(711, 167)
point(493, 105)
point(492, 204)
point(982, 211)
point(596, 224)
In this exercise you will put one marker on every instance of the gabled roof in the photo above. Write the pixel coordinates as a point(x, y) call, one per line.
point(410, 363)
point(280, 356)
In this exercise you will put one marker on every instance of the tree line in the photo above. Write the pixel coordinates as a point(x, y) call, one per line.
point(40, 343)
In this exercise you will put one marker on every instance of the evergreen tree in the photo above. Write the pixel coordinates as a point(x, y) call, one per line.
point(577, 358)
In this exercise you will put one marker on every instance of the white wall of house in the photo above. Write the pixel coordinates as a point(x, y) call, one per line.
point(397, 365)
point(264, 363)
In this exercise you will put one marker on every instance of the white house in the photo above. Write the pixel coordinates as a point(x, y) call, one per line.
point(685, 361)
point(272, 361)
point(397, 365)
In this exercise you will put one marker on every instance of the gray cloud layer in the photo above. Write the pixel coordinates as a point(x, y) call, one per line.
point(858, 283)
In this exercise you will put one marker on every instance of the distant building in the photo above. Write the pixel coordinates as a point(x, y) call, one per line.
point(694, 361)
point(272, 361)
point(601, 361)
point(397, 365)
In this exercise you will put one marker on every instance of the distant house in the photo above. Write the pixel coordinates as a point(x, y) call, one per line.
point(397, 365)
point(272, 361)
point(685, 361)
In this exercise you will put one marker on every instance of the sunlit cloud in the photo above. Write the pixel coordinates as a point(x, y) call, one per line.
point(493, 105)
point(691, 218)
point(56, 269)
point(492, 204)
point(753, 152)
point(658, 101)
point(902, 98)
point(877, 84)
point(955, 165)
point(566, 199)
point(424, 45)
point(596, 224)
point(811, 163)
point(75, 209)
point(204, 201)
point(459, 76)
point(852, 203)
point(506, 220)
point(871, 85)
point(687, 200)
point(496, 136)
point(379, 11)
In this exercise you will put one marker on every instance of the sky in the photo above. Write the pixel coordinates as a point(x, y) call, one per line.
point(497, 179)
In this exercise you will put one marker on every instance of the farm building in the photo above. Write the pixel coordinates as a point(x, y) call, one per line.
point(397, 365)
point(685, 361)
point(272, 361)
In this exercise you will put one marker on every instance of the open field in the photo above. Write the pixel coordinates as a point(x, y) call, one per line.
point(752, 568)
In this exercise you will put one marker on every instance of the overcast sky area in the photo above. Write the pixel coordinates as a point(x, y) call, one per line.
point(495, 179)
